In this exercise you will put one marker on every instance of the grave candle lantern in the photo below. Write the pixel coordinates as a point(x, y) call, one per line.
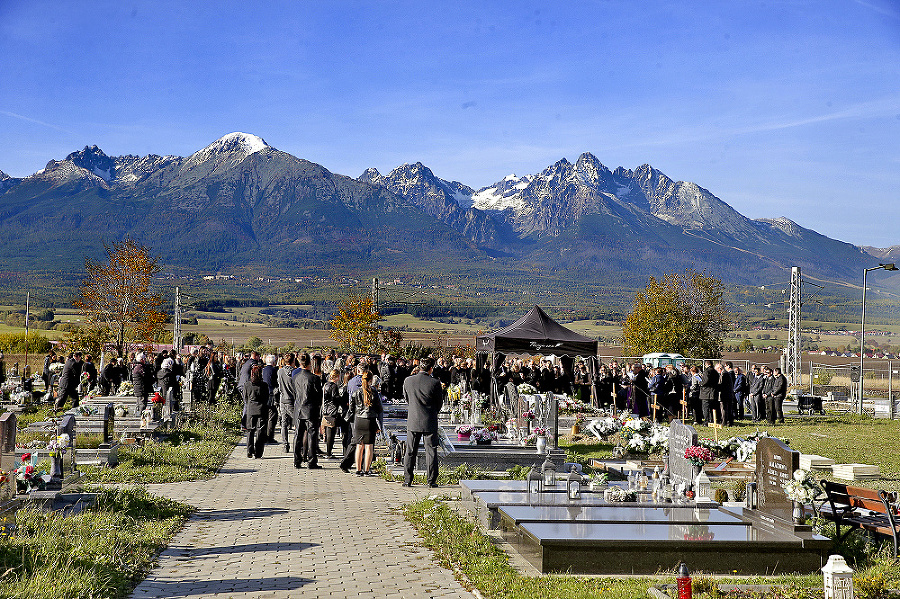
point(548, 473)
point(838, 578)
point(535, 481)
point(573, 484)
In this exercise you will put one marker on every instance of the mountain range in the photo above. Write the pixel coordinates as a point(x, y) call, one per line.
point(241, 203)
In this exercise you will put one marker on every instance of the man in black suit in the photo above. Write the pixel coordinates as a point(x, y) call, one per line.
point(709, 386)
point(68, 381)
point(425, 397)
point(307, 415)
point(774, 392)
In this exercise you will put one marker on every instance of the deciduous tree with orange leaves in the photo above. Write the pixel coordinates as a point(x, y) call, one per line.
point(117, 294)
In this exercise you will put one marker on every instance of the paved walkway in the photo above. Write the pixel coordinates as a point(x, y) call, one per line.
point(264, 529)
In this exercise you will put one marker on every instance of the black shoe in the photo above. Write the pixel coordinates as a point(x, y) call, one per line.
point(345, 470)
point(287, 448)
point(432, 485)
point(314, 467)
point(359, 473)
point(406, 485)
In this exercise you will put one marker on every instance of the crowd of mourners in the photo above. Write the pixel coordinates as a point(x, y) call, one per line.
point(328, 395)
point(342, 396)
point(714, 393)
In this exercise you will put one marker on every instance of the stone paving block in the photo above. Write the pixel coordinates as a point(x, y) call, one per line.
point(264, 529)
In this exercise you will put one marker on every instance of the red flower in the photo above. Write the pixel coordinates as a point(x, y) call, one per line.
point(26, 457)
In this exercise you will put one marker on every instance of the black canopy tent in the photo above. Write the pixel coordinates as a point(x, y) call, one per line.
point(536, 333)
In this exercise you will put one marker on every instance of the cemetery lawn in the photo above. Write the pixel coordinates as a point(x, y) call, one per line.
point(196, 451)
point(845, 438)
point(102, 552)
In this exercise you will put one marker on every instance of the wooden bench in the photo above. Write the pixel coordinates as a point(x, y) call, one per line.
point(862, 509)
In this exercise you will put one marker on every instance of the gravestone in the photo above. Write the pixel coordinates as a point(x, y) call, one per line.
point(109, 420)
point(775, 465)
point(8, 454)
point(67, 426)
point(552, 420)
point(681, 436)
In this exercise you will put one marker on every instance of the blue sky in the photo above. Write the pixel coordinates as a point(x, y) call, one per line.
point(786, 108)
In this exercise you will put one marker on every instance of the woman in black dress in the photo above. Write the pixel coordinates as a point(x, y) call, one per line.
point(334, 405)
point(256, 398)
point(366, 406)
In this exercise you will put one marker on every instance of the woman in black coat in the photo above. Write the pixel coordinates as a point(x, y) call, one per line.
point(334, 406)
point(256, 405)
point(142, 379)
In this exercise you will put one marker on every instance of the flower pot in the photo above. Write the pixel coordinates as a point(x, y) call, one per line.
point(576, 429)
point(797, 513)
point(463, 436)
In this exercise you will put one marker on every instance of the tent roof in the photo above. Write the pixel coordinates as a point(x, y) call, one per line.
point(537, 333)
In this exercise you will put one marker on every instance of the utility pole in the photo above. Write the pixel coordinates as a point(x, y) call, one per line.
point(792, 351)
point(176, 331)
point(375, 294)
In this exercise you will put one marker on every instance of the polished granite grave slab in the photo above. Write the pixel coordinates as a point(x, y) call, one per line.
point(647, 548)
point(513, 515)
point(644, 539)
point(485, 504)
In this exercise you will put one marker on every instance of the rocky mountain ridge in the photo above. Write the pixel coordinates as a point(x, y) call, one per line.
point(239, 201)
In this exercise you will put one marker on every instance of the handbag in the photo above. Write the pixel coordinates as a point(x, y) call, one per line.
point(329, 421)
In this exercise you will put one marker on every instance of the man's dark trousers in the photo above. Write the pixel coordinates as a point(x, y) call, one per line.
point(430, 441)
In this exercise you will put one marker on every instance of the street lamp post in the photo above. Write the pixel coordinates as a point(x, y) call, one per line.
point(862, 329)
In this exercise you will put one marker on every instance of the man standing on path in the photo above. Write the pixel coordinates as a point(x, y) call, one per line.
point(308, 415)
point(425, 397)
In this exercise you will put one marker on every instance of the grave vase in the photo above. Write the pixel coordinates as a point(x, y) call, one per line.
point(797, 512)
point(541, 444)
point(56, 464)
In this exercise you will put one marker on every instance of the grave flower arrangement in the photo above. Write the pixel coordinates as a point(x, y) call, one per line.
point(20, 397)
point(464, 429)
point(618, 494)
point(126, 388)
point(607, 426)
point(698, 456)
point(529, 415)
point(571, 406)
point(802, 488)
point(57, 367)
point(526, 389)
point(30, 478)
point(121, 410)
point(86, 410)
point(540, 431)
point(157, 399)
point(637, 425)
point(483, 436)
point(58, 445)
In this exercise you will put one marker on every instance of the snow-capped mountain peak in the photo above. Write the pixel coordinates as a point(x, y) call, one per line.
point(227, 151)
point(93, 160)
point(503, 194)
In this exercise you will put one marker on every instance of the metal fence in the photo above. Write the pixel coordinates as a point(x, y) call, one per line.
point(880, 380)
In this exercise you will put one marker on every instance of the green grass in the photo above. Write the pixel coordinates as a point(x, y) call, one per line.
point(102, 552)
point(194, 452)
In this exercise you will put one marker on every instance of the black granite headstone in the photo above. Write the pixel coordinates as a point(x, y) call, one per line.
point(681, 436)
point(109, 419)
point(775, 465)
